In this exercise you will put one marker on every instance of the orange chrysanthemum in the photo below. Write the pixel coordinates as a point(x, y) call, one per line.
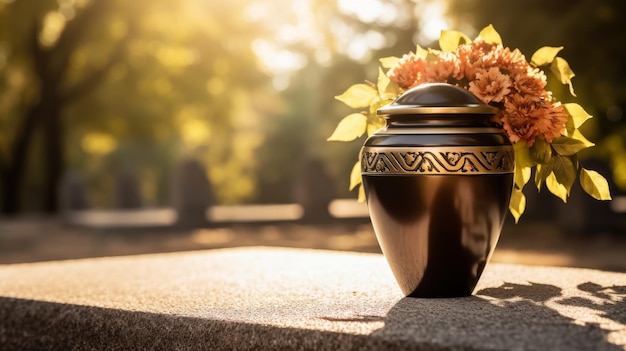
point(407, 71)
point(532, 83)
point(553, 123)
point(490, 85)
point(498, 76)
point(441, 70)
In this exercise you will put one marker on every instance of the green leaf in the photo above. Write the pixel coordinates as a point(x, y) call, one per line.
point(355, 175)
point(545, 55)
point(362, 196)
point(387, 89)
point(374, 123)
point(490, 35)
point(556, 188)
point(449, 40)
point(563, 73)
point(388, 62)
point(566, 146)
point(540, 151)
point(517, 205)
point(595, 184)
point(565, 170)
point(522, 176)
point(351, 127)
point(577, 114)
point(358, 95)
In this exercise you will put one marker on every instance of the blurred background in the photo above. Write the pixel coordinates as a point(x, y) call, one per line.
point(149, 126)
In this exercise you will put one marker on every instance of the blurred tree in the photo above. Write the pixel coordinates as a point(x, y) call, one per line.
point(97, 83)
point(327, 45)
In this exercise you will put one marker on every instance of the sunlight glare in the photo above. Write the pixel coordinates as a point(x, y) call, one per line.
point(100, 144)
point(369, 11)
point(432, 20)
point(53, 25)
point(277, 60)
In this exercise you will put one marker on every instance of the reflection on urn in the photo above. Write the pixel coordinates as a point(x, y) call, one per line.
point(437, 232)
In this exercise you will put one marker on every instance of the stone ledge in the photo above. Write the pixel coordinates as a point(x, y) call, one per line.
point(272, 299)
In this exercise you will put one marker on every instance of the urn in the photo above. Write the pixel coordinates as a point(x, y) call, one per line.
point(438, 179)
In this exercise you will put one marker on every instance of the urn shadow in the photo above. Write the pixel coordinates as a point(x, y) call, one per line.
point(512, 316)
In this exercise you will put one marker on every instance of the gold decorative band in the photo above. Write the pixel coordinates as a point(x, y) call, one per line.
point(468, 160)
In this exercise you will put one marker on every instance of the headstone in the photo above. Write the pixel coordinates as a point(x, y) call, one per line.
point(73, 192)
point(573, 216)
point(127, 189)
point(191, 194)
point(315, 190)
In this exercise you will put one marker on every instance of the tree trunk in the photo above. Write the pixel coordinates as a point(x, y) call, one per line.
point(14, 169)
point(50, 66)
point(53, 161)
point(10, 194)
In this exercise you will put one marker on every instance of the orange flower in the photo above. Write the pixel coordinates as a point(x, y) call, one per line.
point(407, 70)
point(471, 57)
point(511, 61)
point(440, 71)
point(532, 83)
point(553, 123)
point(498, 76)
point(526, 119)
point(490, 85)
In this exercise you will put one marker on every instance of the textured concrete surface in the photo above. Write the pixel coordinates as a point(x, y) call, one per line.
point(269, 298)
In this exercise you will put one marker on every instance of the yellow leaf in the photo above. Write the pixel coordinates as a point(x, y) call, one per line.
point(374, 123)
point(565, 170)
point(387, 89)
point(517, 205)
point(449, 40)
point(378, 103)
point(576, 134)
point(541, 173)
point(566, 146)
point(522, 176)
point(541, 151)
point(563, 72)
point(595, 184)
point(490, 35)
point(355, 175)
point(577, 114)
point(388, 62)
point(556, 188)
point(522, 155)
point(545, 55)
point(351, 127)
point(362, 196)
point(421, 52)
point(358, 95)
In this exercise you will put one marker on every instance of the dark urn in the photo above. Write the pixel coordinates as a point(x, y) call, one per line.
point(438, 179)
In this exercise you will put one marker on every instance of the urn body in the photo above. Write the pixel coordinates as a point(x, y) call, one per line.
point(438, 180)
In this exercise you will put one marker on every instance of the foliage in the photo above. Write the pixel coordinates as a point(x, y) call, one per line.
point(545, 132)
point(591, 32)
point(114, 84)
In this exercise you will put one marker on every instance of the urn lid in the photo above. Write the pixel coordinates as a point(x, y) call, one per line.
point(436, 98)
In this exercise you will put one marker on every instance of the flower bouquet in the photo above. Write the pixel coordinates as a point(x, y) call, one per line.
point(544, 131)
